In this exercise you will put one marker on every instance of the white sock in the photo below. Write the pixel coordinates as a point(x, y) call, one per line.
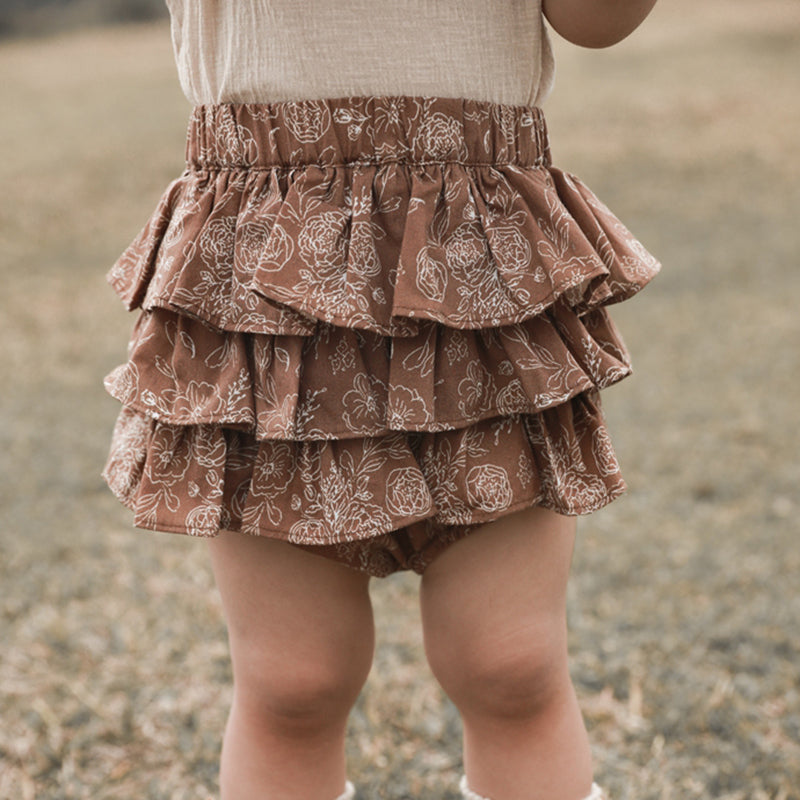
point(468, 794)
point(349, 792)
point(596, 793)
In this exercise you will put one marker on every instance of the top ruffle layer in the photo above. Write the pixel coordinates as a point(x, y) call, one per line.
point(374, 213)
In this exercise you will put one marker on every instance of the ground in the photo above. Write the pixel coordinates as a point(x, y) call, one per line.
point(683, 602)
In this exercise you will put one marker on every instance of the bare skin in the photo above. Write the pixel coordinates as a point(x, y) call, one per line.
point(493, 611)
point(596, 23)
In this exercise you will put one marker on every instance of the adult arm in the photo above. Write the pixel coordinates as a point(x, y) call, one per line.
point(596, 23)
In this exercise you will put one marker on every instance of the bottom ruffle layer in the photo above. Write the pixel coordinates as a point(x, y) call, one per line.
point(330, 494)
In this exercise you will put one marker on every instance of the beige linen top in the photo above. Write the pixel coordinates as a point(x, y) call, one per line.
point(250, 51)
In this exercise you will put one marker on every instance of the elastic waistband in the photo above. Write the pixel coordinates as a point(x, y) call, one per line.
point(362, 129)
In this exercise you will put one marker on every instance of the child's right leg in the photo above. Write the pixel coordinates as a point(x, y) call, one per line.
point(302, 638)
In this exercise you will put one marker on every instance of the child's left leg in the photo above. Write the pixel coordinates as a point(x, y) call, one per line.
point(494, 619)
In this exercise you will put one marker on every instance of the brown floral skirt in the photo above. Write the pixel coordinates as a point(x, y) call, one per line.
point(367, 325)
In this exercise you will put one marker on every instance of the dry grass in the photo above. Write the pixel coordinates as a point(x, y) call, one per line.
point(683, 603)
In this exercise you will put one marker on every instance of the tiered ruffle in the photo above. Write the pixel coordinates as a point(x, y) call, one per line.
point(366, 314)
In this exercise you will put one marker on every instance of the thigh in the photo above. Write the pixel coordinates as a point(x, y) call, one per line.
point(285, 606)
point(505, 580)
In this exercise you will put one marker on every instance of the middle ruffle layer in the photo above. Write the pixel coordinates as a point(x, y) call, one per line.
point(340, 383)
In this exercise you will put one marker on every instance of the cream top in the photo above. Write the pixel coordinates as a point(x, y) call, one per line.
point(250, 51)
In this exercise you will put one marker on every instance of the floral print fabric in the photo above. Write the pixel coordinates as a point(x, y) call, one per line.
point(367, 325)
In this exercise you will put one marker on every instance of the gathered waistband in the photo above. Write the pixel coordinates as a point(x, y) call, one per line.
point(368, 130)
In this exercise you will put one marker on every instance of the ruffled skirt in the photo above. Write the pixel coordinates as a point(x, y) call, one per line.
point(368, 325)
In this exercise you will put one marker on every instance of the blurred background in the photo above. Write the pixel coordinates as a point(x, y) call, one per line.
point(43, 17)
point(683, 604)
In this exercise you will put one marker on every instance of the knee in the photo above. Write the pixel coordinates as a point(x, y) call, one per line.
point(296, 695)
point(514, 676)
point(301, 702)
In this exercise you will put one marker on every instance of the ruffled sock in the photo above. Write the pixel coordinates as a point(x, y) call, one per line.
point(349, 792)
point(468, 794)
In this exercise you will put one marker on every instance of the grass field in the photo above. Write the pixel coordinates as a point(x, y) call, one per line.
point(684, 602)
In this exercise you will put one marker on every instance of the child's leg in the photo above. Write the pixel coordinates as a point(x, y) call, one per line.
point(301, 636)
point(494, 621)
